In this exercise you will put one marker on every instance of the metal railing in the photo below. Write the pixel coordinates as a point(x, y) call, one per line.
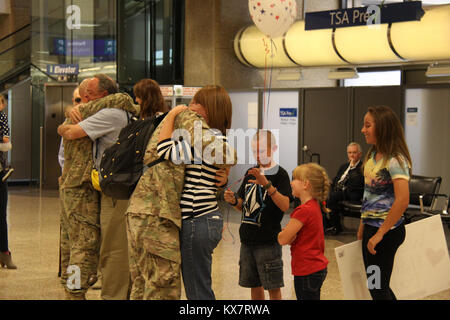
point(15, 52)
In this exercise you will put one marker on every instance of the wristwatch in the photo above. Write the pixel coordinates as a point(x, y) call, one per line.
point(267, 186)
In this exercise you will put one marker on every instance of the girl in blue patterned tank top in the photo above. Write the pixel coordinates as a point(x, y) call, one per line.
point(387, 169)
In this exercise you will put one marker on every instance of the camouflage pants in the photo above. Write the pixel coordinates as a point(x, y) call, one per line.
point(80, 237)
point(64, 245)
point(154, 257)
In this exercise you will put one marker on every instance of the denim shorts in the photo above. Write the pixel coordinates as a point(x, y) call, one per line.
point(261, 266)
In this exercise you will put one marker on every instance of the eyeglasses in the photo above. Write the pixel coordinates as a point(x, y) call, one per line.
point(77, 100)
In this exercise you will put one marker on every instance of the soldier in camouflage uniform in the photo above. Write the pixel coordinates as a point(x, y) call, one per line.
point(64, 236)
point(154, 218)
point(80, 202)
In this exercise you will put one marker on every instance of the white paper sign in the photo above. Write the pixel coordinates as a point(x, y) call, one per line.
point(411, 116)
point(421, 267)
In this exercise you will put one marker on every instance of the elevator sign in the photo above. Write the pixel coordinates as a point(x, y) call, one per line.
point(63, 69)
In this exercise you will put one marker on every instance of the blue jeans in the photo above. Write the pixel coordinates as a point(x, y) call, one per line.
point(199, 237)
point(308, 287)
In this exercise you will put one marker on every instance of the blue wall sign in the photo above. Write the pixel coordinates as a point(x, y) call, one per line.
point(288, 113)
point(105, 49)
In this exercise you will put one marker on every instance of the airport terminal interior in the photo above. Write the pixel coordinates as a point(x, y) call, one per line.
point(309, 81)
point(34, 238)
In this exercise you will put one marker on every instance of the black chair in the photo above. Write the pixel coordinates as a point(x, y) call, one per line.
point(427, 206)
point(422, 189)
point(423, 193)
point(444, 213)
point(351, 208)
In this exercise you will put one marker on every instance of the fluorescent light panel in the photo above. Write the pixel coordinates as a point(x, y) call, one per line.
point(343, 74)
point(378, 78)
point(438, 71)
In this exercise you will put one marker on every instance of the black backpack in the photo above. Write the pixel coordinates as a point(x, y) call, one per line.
point(123, 163)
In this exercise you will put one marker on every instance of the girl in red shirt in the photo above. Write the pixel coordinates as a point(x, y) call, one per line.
point(304, 232)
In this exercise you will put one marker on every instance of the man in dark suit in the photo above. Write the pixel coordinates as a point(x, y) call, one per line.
point(347, 185)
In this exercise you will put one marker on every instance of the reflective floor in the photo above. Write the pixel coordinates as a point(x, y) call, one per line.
point(34, 243)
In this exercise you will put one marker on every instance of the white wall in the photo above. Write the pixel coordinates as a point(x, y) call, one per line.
point(284, 126)
point(245, 116)
point(428, 133)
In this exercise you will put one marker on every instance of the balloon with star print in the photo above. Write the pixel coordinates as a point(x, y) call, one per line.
point(273, 17)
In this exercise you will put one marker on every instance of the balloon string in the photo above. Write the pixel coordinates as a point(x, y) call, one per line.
point(266, 106)
point(271, 73)
point(265, 82)
point(264, 94)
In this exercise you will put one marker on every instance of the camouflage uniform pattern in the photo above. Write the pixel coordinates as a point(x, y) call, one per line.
point(80, 202)
point(64, 245)
point(154, 219)
point(78, 161)
point(154, 276)
point(81, 221)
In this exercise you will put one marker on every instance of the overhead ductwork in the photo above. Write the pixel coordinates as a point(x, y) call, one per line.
point(427, 40)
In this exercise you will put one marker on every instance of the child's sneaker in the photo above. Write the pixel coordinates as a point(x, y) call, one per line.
point(7, 174)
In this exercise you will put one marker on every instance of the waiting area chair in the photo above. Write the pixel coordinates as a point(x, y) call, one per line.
point(423, 194)
point(444, 213)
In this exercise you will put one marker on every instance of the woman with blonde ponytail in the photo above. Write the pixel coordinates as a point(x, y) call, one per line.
point(305, 233)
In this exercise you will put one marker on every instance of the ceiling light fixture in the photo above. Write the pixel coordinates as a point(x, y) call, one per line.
point(343, 73)
point(438, 71)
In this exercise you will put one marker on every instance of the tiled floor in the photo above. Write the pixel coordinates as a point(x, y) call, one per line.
point(34, 240)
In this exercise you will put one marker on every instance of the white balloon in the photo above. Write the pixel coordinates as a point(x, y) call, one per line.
point(273, 17)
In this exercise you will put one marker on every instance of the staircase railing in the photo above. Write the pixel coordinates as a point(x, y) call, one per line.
point(15, 52)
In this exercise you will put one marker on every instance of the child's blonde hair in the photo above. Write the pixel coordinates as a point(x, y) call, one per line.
point(318, 179)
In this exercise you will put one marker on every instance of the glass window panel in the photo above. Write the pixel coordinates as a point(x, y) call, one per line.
point(372, 79)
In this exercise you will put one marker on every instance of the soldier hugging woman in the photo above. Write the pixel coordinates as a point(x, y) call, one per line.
point(164, 224)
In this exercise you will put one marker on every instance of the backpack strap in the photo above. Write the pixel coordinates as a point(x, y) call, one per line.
point(156, 121)
point(96, 153)
point(151, 164)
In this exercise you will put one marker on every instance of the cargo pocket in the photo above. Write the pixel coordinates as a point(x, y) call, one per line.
point(167, 273)
point(161, 238)
point(273, 274)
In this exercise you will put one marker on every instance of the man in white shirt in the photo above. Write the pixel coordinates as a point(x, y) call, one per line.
point(103, 128)
point(347, 185)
